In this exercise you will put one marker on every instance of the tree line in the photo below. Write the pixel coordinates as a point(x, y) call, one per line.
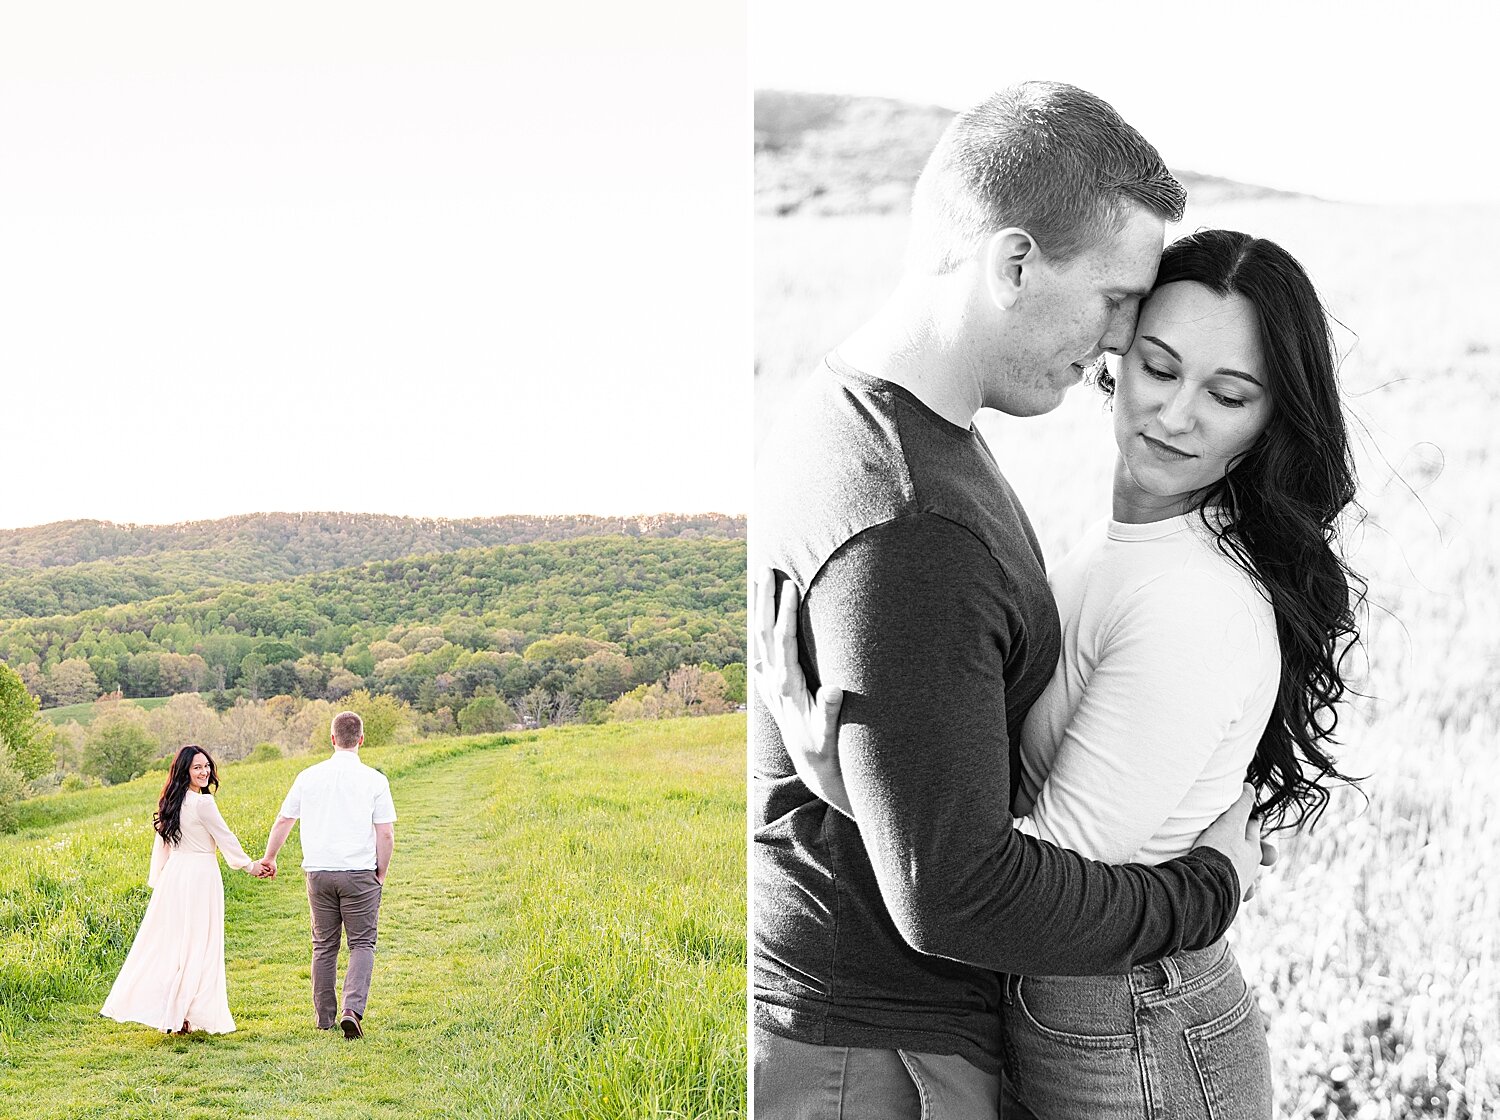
point(589, 618)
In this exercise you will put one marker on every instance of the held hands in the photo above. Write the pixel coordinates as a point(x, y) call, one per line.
point(263, 868)
point(809, 725)
point(1237, 835)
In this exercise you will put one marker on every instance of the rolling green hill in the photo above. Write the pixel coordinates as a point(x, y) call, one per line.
point(72, 566)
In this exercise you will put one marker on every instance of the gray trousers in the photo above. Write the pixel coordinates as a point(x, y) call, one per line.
point(342, 903)
point(798, 1081)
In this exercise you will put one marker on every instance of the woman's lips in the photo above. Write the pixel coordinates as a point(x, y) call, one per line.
point(1166, 450)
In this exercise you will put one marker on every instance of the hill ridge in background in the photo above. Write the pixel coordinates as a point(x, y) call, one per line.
point(71, 566)
point(65, 543)
point(835, 154)
point(499, 570)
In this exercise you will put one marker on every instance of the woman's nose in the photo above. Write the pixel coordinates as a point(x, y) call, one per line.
point(1176, 413)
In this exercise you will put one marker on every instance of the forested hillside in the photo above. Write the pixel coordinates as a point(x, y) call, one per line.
point(592, 617)
point(71, 566)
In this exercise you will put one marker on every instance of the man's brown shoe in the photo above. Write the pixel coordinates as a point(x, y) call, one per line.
point(349, 1023)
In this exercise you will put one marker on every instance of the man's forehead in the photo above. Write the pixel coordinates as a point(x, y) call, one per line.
point(1128, 258)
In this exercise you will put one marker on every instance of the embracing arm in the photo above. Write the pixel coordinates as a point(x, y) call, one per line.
point(911, 620)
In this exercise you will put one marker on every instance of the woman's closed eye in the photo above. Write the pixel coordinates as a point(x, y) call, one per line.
point(1228, 400)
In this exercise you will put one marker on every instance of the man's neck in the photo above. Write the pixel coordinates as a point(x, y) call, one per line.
point(916, 341)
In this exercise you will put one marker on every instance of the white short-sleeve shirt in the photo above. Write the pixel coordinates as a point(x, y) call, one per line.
point(339, 802)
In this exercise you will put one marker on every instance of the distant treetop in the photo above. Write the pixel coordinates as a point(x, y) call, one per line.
point(308, 542)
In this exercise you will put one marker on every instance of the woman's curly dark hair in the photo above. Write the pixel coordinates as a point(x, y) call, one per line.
point(1279, 510)
point(168, 817)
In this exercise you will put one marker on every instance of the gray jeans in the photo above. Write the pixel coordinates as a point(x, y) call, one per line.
point(1181, 1039)
point(343, 903)
point(800, 1081)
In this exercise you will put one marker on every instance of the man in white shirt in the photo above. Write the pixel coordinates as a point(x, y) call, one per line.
point(348, 833)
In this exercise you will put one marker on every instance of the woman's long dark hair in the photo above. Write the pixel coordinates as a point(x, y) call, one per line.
point(1280, 507)
point(168, 818)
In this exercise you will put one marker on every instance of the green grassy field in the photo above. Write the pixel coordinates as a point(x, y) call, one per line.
point(1374, 943)
point(84, 713)
point(562, 935)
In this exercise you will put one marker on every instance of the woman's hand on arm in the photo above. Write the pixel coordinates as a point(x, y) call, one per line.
point(808, 724)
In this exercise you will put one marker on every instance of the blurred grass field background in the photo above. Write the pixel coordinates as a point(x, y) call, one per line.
point(1373, 942)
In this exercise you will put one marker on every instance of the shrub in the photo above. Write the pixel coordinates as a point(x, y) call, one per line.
point(386, 719)
point(117, 749)
point(12, 790)
point(484, 714)
point(264, 752)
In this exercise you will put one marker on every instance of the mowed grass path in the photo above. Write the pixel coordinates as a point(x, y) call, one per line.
point(562, 935)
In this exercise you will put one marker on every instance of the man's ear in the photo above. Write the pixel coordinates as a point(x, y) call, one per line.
point(1010, 255)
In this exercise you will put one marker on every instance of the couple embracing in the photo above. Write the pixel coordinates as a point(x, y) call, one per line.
point(173, 977)
point(1002, 824)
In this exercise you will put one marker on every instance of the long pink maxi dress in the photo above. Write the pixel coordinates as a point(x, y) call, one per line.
point(174, 971)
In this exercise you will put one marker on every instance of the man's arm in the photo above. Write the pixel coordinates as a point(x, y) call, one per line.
point(279, 832)
point(385, 843)
point(912, 620)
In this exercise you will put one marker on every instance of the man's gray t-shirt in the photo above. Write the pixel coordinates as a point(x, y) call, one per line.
point(924, 596)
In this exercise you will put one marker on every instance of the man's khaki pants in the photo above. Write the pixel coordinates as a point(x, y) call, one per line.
point(343, 903)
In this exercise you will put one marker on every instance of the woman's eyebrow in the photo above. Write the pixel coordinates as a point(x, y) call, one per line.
point(1163, 345)
point(1224, 370)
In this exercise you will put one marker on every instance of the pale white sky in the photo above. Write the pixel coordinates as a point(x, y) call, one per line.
point(1361, 102)
point(441, 259)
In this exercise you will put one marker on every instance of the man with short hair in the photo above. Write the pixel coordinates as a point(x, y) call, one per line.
point(1037, 226)
point(348, 834)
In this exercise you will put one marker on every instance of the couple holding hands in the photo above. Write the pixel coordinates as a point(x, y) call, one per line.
point(173, 978)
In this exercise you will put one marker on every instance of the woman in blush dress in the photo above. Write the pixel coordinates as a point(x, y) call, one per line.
point(173, 976)
point(1202, 629)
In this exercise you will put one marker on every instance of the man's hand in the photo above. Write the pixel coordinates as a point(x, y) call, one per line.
point(1237, 835)
point(268, 868)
